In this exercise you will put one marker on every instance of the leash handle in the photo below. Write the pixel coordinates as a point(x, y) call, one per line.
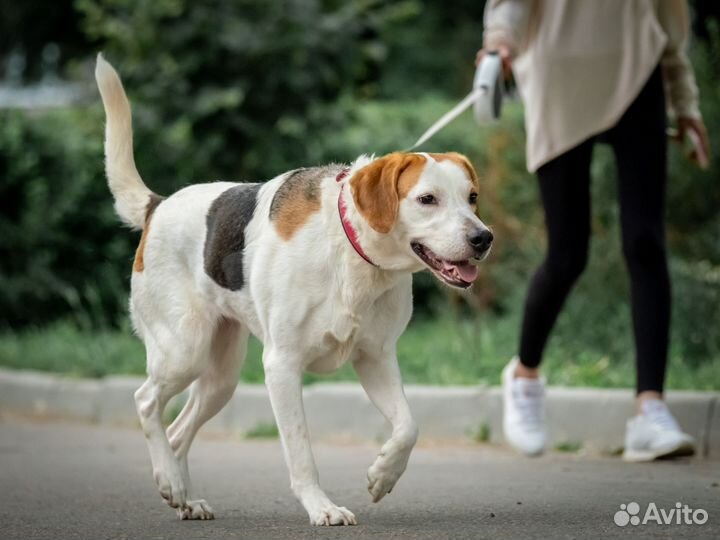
point(488, 78)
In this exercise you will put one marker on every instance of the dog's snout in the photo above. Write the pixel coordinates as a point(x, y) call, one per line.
point(480, 239)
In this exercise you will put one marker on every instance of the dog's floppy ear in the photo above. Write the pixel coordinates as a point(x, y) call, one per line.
point(378, 187)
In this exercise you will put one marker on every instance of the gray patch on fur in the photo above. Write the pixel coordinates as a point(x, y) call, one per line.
point(153, 202)
point(301, 182)
point(227, 219)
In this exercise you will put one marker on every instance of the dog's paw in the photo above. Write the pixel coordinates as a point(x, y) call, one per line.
point(171, 488)
point(332, 515)
point(386, 471)
point(198, 509)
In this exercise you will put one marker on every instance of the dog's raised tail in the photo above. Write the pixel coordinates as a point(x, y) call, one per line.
point(130, 192)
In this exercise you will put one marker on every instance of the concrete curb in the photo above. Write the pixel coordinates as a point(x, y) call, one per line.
point(593, 419)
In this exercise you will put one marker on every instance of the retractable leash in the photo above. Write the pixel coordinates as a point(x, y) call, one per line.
point(486, 96)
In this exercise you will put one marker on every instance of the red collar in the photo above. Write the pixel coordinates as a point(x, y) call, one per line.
point(350, 231)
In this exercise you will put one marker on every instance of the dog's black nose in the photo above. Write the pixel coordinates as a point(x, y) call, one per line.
point(480, 240)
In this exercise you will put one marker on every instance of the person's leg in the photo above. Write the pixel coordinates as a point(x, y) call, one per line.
point(565, 191)
point(640, 147)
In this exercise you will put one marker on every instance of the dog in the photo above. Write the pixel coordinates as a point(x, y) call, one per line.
point(317, 263)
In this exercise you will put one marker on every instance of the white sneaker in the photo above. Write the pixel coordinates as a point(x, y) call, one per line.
point(523, 411)
point(654, 433)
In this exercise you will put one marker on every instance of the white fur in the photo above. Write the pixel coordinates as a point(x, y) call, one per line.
point(130, 193)
point(312, 301)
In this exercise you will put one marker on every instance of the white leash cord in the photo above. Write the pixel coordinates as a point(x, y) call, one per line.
point(486, 95)
point(448, 117)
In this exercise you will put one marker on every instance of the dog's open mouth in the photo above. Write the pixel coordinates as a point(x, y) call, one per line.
point(455, 273)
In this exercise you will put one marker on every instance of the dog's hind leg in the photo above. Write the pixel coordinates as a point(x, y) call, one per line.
point(208, 395)
point(176, 356)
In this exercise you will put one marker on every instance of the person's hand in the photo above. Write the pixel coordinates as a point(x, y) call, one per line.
point(694, 129)
point(505, 57)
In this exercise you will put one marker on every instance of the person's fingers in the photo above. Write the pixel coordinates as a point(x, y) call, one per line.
point(506, 58)
point(701, 144)
point(695, 130)
point(704, 138)
point(505, 53)
point(507, 68)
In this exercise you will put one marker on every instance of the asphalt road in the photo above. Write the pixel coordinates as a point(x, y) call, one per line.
point(63, 481)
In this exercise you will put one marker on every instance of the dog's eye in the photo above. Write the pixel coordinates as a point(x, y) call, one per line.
point(427, 199)
point(473, 198)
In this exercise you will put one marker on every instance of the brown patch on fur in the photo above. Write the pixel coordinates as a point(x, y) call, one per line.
point(298, 198)
point(378, 188)
point(462, 162)
point(139, 263)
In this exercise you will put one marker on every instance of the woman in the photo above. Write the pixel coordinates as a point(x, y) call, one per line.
point(590, 71)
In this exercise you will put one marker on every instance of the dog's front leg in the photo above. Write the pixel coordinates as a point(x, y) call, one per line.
point(283, 378)
point(380, 376)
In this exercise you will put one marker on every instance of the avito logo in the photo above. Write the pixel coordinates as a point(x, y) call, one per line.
point(681, 514)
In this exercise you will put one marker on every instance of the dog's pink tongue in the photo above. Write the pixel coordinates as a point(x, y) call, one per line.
point(468, 272)
point(465, 271)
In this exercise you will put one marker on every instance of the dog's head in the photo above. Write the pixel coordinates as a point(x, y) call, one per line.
point(426, 205)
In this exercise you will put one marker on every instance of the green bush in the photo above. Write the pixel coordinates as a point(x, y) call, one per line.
point(441, 350)
point(597, 314)
point(236, 89)
point(61, 249)
point(249, 89)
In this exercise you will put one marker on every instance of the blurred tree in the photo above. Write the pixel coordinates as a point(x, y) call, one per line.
point(432, 52)
point(707, 13)
point(28, 27)
point(236, 89)
point(60, 247)
point(248, 89)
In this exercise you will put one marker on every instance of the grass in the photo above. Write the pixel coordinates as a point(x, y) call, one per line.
point(569, 447)
point(172, 411)
point(263, 431)
point(446, 350)
point(482, 434)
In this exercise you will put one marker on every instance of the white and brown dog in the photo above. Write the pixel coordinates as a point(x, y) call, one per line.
point(316, 263)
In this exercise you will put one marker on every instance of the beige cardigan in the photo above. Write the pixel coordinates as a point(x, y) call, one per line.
point(580, 63)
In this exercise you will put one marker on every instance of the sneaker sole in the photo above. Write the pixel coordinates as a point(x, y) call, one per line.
point(679, 450)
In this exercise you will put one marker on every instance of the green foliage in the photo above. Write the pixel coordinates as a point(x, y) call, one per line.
point(694, 225)
point(173, 410)
point(235, 89)
point(442, 350)
point(61, 249)
point(28, 28)
point(263, 431)
point(571, 447)
point(62, 347)
point(245, 90)
point(432, 49)
point(482, 435)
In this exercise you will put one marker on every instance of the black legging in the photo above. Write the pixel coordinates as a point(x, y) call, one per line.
point(639, 143)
